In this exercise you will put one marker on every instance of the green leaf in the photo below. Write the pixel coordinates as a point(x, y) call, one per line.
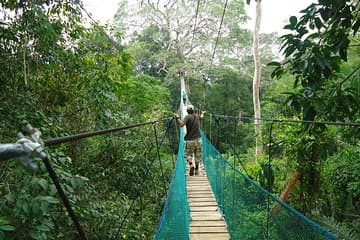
point(43, 183)
point(325, 13)
point(289, 50)
point(25, 207)
point(4, 221)
point(49, 199)
point(305, 65)
point(289, 26)
point(355, 27)
point(321, 61)
point(343, 54)
point(312, 26)
point(318, 23)
point(43, 228)
point(293, 21)
point(7, 228)
point(302, 30)
point(274, 63)
point(36, 235)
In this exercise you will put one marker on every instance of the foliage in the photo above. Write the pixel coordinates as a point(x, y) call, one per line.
point(342, 182)
point(65, 78)
point(314, 52)
point(324, 88)
point(32, 205)
point(315, 57)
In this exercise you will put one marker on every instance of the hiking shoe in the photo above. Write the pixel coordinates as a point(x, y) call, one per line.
point(192, 170)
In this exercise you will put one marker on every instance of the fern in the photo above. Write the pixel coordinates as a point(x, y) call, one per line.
point(338, 228)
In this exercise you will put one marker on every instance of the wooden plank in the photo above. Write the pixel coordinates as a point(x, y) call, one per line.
point(203, 195)
point(207, 236)
point(212, 229)
point(207, 224)
point(200, 192)
point(204, 209)
point(206, 218)
point(198, 182)
point(202, 203)
point(197, 178)
point(215, 213)
point(201, 199)
point(199, 189)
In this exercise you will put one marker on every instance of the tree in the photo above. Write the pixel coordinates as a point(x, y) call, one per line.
point(190, 33)
point(64, 79)
point(314, 52)
point(256, 81)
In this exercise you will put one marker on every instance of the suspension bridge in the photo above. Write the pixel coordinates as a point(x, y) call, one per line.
point(219, 203)
point(243, 209)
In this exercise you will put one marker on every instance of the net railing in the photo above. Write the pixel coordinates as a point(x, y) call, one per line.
point(250, 211)
point(174, 223)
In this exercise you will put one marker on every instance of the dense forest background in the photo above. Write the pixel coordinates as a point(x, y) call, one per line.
point(65, 73)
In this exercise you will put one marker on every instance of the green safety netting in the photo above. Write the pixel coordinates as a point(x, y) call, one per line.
point(250, 211)
point(174, 223)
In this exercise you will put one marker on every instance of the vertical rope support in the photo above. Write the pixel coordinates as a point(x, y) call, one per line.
point(210, 129)
point(174, 145)
point(146, 175)
point(232, 148)
point(171, 146)
point(158, 154)
point(268, 196)
point(223, 178)
point(63, 197)
point(177, 131)
point(217, 120)
point(126, 215)
point(233, 184)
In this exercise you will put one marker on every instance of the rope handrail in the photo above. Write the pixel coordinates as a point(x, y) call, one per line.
point(270, 196)
point(55, 141)
point(146, 174)
point(351, 124)
point(232, 148)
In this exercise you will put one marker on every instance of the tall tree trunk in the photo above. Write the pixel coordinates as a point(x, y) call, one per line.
point(285, 194)
point(256, 81)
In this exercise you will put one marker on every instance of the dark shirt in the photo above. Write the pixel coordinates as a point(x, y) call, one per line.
point(192, 122)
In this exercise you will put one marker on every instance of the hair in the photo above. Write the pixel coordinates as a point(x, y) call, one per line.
point(190, 111)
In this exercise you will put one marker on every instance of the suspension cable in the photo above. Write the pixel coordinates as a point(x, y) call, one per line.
point(171, 145)
point(117, 46)
point(145, 177)
point(232, 147)
point(158, 155)
point(351, 124)
point(59, 140)
point(269, 186)
point(63, 197)
point(218, 35)
point(196, 16)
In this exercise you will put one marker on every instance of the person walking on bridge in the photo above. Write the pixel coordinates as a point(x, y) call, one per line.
point(193, 143)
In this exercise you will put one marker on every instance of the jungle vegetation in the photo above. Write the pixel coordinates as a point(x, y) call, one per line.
point(65, 74)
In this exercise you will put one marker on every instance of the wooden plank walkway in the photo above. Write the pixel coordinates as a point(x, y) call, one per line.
point(207, 223)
